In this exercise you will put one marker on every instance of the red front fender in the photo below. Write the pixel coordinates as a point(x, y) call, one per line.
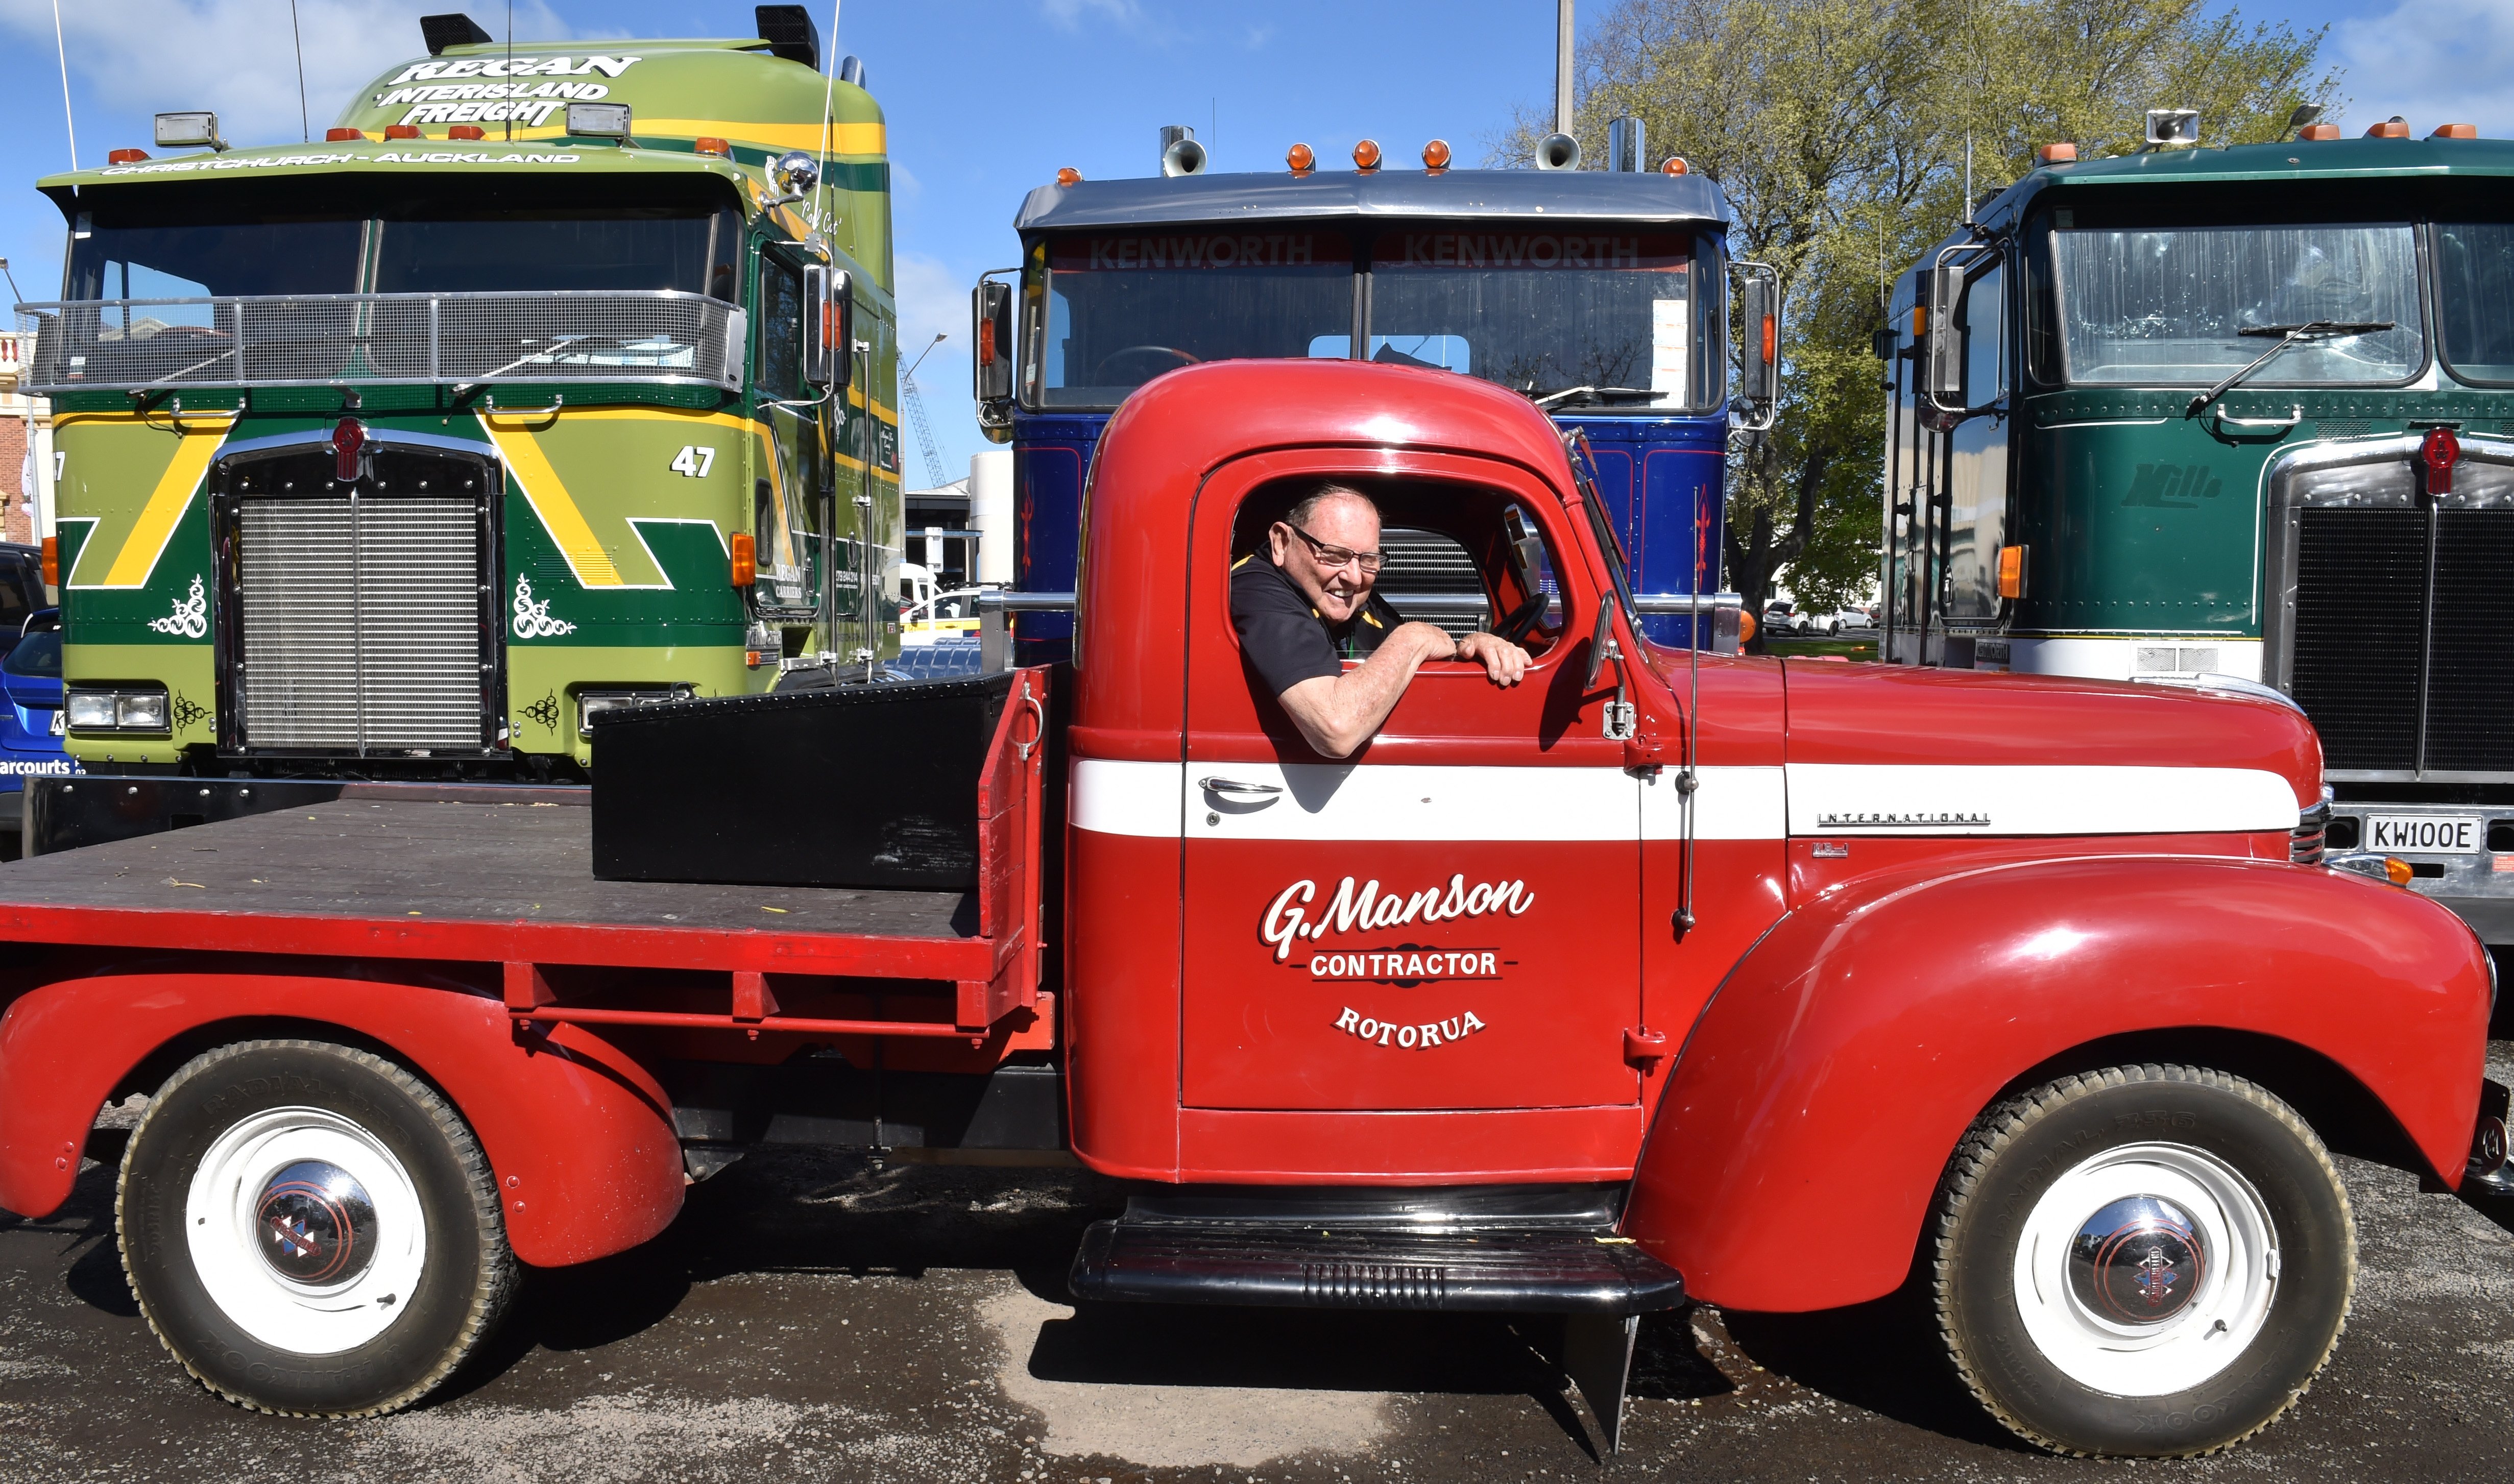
point(1814, 1108)
point(580, 1137)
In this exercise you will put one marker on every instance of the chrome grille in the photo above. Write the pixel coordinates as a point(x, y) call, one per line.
point(360, 628)
point(385, 337)
point(1431, 576)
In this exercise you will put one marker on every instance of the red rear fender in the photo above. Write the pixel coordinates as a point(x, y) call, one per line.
point(1814, 1108)
point(580, 1137)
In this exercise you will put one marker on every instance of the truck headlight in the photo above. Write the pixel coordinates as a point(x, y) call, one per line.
point(91, 710)
point(134, 708)
point(593, 704)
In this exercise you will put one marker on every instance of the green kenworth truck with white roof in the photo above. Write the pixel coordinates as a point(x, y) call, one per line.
point(555, 377)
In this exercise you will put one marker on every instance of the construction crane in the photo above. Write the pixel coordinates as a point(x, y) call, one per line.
point(915, 401)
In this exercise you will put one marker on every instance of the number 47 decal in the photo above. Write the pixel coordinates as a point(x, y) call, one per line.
point(694, 462)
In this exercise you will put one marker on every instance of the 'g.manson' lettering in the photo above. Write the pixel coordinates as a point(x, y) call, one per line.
point(1365, 908)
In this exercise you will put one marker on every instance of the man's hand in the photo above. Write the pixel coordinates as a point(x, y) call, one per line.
point(1504, 662)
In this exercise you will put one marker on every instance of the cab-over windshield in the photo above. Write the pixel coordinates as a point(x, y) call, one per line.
point(1619, 309)
point(2180, 307)
point(140, 251)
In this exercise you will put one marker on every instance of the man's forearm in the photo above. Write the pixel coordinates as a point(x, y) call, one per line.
point(1337, 714)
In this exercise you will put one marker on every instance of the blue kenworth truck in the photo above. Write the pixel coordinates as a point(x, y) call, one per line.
point(1602, 295)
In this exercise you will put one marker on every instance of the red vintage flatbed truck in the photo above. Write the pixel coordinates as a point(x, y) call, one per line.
point(1658, 977)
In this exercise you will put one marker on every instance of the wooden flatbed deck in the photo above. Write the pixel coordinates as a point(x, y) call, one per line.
point(468, 881)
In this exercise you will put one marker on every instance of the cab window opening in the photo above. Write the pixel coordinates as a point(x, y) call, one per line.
point(1463, 558)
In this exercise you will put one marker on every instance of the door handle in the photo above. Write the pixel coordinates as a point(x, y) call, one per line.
point(1232, 786)
point(2293, 417)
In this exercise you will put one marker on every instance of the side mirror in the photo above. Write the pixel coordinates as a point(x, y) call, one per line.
point(1943, 364)
point(1601, 644)
point(991, 330)
point(1760, 324)
point(828, 328)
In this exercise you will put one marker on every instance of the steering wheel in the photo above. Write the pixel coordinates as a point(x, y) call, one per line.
point(1521, 619)
point(1152, 360)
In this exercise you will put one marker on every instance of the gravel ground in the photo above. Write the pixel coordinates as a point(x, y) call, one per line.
point(826, 1316)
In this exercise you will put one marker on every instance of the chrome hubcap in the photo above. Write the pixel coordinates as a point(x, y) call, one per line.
point(317, 1223)
point(2139, 1261)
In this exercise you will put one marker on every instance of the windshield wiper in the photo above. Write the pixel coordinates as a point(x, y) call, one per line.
point(2289, 336)
point(1574, 396)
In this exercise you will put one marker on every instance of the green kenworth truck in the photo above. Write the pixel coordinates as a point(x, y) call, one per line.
point(555, 377)
point(2239, 418)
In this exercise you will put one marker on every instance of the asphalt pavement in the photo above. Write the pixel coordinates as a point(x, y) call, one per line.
point(824, 1316)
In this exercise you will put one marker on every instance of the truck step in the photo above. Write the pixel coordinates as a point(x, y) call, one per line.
point(1545, 1271)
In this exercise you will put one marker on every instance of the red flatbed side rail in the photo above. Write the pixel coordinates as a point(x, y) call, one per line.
point(996, 973)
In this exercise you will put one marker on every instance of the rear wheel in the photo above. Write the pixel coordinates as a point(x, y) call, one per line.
point(310, 1229)
point(2142, 1261)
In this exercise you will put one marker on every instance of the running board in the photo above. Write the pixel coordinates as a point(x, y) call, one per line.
point(1544, 1272)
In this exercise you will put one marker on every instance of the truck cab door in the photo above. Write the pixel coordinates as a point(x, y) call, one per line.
point(791, 486)
point(1449, 919)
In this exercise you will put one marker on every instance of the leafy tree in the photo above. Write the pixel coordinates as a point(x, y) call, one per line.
point(1845, 133)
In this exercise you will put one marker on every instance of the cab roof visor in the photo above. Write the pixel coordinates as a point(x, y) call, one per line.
point(1242, 199)
point(789, 33)
point(453, 30)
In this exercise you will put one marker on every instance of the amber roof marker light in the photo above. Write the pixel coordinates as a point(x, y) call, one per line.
point(1365, 156)
point(1067, 175)
point(1673, 165)
point(1301, 159)
point(1435, 156)
point(2393, 128)
point(2061, 153)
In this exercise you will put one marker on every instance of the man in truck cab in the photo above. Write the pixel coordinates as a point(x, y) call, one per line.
point(1303, 605)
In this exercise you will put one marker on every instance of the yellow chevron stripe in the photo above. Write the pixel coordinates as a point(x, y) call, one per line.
point(550, 500)
point(167, 504)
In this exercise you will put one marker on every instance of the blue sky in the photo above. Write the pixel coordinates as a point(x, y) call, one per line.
point(986, 97)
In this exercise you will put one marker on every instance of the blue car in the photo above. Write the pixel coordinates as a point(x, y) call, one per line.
point(30, 725)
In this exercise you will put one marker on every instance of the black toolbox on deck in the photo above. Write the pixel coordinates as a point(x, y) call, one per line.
point(864, 785)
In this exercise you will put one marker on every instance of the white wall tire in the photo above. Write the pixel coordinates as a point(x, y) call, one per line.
point(2142, 1261)
point(310, 1229)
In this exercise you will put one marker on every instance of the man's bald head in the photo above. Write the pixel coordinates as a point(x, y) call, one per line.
point(1306, 512)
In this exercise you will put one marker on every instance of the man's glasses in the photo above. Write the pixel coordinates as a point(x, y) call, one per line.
point(1338, 556)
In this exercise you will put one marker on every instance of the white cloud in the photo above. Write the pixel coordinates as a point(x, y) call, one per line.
point(236, 57)
point(2430, 61)
point(1070, 13)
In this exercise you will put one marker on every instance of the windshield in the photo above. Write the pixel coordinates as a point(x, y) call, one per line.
point(36, 655)
point(1120, 310)
point(2167, 306)
point(1547, 311)
point(200, 260)
point(418, 251)
point(598, 248)
point(2475, 300)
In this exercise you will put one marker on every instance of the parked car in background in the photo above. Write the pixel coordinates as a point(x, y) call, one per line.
point(1845, 620)
point(30, 724)
point(1782, 617)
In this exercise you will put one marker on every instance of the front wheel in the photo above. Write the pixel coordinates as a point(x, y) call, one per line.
point(310, 1229)
point(2144, 1261)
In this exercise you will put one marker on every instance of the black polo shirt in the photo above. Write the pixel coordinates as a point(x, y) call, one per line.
point(1287, 641)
